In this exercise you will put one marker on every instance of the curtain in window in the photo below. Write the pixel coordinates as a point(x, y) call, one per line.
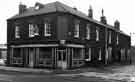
point(33, 30)
point(17, 32)
point(47, 29)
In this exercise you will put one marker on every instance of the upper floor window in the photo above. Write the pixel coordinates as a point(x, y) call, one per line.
point(110, 37)
point(88, 31)
point(97, 34)
point(17, 32)
point(33, 30)
point(76, 31)
point(47, 29)
point(117, 39)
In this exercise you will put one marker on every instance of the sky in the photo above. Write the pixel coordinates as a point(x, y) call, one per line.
point(122, 10)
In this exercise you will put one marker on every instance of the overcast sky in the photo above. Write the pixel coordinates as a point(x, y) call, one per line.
point(122, 10)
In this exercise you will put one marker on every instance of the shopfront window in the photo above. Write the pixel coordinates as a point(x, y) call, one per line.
point(17, 53)
point(45, 57)
point(45, 53)
point(77, 54)
point(17, 56)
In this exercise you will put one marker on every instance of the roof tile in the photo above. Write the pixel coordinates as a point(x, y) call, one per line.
point(58, 7)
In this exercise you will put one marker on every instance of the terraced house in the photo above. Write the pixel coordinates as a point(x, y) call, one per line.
point(55, 35)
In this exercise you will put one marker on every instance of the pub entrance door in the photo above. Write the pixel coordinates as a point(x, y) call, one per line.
point(61, 59)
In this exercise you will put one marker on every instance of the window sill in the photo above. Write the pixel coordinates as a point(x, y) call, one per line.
point(47, 35)
point(97, 40)
point(87, 60)
point(76, 38)
point(88, 39)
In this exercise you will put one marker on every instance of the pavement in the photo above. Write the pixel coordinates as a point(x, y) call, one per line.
point(24, 70)
point(124, 73)
point(114, 73)
point(17, 74)
point(54, 71)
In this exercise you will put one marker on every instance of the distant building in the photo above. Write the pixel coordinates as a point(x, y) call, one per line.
point(58, 36)
point(3, 51)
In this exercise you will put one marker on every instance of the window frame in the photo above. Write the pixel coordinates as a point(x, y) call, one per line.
point(17, 56)
point(89, 54)
point(110, 37)
point(97, 34)
point(100, 54)
point(109, 52)
point(77, 30)
point(47, 29)
point(33, 30)
point(17, 31)
point(117, 39)
point(88, 31)
point(77, 53)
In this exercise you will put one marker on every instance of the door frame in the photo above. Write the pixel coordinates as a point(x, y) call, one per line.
point(61, 63)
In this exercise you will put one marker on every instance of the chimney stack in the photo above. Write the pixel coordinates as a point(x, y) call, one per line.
point(22, 8)
point(117, 25)
point(103, 18)
point(90, 12)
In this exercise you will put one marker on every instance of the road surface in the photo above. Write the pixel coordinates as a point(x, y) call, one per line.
point(6, 76)
point(119, 74)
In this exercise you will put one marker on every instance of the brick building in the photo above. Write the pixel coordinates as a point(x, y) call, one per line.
point(58, 36)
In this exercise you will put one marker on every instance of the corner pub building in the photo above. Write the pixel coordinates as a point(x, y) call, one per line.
point(55, 35)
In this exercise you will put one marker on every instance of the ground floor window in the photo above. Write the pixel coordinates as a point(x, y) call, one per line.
point(45, 56)
point(17, 53)
point(78, 57)
point(110, 53)
point(17, 56)
point(77, 53)
point(122, 54)
point(45, 53)
point(100, 55)
point(88, 57)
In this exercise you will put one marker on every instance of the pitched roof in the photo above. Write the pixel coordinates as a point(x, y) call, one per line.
point(49, 8)
point(58, 7)
point(53, 7)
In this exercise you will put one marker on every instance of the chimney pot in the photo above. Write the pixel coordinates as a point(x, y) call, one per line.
point(22, 8)
point(117, 25)
point(90, 12)
point(103, 18)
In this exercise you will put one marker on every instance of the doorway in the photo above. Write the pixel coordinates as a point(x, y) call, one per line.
point(61, 59)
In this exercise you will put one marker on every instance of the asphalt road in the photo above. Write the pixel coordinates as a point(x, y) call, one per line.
point(6, 76)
